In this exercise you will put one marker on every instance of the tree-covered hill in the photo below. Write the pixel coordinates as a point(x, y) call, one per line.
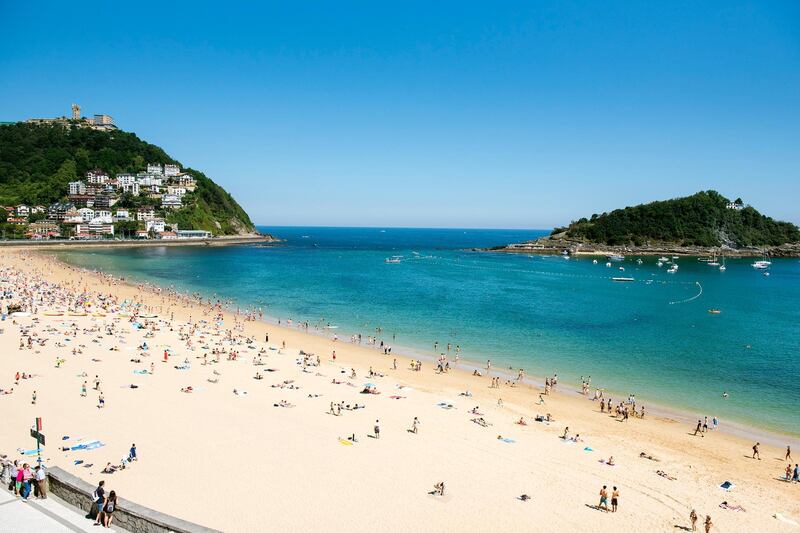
point(703, 219)
point(38, 161)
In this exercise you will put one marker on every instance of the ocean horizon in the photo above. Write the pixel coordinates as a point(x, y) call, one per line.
point(653, 337)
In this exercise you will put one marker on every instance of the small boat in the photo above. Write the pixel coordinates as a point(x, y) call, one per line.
point(608, 265)
point(672, 269)
point(622, 269)
point(714, 311)
point(674, 257)
point(622, 279)
point(639, 261)
point(761, 265)
point(663, 259)
point(766, 274)
point(722, 267)
point(394, 259)
point(660, 264)
point(713, 262)
point(616, 257)
point(594, 261)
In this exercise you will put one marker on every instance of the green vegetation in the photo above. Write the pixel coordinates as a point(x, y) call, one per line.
point(38, 161)
point(702, 219)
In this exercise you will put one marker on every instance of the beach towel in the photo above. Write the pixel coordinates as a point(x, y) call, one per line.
point(345, 442)
point(508, 440)
point(727, 485)
point(140, 372)
point(587, 449)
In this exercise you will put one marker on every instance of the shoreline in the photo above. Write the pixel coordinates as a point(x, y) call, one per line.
point(547, 246)
point(298, 455)
point(137, 243)
point(466, 365)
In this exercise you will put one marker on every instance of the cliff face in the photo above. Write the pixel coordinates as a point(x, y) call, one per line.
point(37, 162)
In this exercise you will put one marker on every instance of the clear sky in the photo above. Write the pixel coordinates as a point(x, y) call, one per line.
point(461, 114)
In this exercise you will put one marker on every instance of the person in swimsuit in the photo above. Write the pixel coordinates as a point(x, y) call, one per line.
point(693, 519)
point(614, 499)
point(708, 523)
point(603, 499)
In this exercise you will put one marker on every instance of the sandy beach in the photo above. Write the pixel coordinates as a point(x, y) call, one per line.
point(240, 461)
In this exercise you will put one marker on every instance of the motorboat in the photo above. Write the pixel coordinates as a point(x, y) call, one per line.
point(394, 259)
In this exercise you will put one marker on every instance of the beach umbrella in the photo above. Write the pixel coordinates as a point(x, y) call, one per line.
point(370, 385)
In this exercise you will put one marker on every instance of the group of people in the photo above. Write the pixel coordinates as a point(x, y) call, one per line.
point(22, 479)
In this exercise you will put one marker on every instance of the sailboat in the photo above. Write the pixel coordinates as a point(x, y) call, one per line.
point(713, 261)
point(762, 264)
point(722, 267)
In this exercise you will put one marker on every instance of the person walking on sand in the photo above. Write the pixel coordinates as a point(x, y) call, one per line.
point(699, 428)
point(83, 390)
point(415, 426)
point(693, 519)
point(603, 499)
point(614, 499)
point(788, 454)
point(33, 398)
point(708, 523)
point(756, 454)
point(101, 401)
point(377, 429)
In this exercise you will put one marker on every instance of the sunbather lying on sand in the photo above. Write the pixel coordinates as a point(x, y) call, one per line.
point(664, 474)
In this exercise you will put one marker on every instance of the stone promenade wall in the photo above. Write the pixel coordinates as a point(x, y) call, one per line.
point(129, 516)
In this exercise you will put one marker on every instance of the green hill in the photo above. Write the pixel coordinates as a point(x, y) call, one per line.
point(703, 219)
point(38, 161)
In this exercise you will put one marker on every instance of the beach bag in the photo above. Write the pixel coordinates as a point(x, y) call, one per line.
point(110, 507)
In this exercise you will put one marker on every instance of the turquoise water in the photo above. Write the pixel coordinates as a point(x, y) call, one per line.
point(653, 337)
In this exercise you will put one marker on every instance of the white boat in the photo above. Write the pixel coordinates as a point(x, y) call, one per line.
point(608, 265)
point(761, 265)
point(622, 279)
point(616, 257)
point(639, 261)
point(394, 259)
point(722, 267)
point(660, 264)
point(622, 269)
point(663, 259)
point(594, 261)
point(672, 269)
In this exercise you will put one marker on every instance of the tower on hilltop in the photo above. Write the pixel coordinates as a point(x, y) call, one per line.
point(76, 112)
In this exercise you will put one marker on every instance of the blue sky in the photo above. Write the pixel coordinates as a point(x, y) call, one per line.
point(460, 114)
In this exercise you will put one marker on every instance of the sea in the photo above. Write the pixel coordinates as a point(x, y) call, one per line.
point(654, 337)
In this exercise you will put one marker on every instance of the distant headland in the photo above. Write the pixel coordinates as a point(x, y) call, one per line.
point(701, 224)
point(78, 178)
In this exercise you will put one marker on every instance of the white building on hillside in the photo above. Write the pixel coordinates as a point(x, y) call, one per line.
point(171, 201)
point(155, 169)
point(86, 214)
point(172, 170)
point(156, 224)
point(77, 187)
point(145, 213)
point(125, 179)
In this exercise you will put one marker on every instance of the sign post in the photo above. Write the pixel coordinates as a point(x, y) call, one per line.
point(36, 433)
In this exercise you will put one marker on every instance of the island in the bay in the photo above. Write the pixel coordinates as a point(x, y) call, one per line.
point(79, 178)
point(700, 224)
